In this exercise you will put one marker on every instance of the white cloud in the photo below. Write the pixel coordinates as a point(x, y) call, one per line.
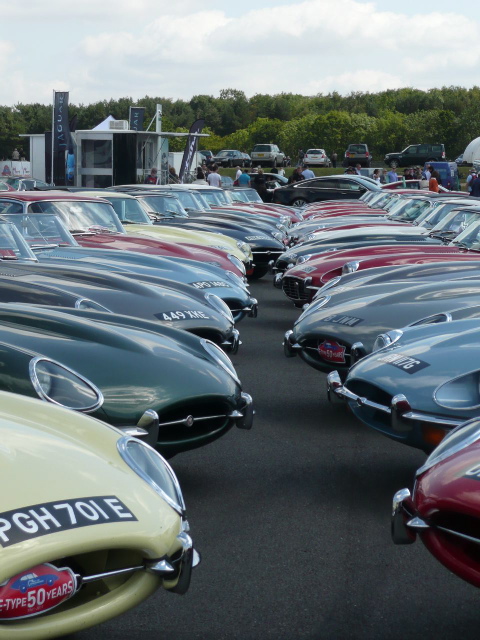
point(114, 48)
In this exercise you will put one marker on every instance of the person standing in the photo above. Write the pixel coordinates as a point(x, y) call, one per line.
point(358, 169)
point(239, 173)
point(475, 185)
point(334, 158)
point(301, 155)
point(200, 176)
point(471, 176)
point(260, 184)
point(376, 176)
point(392, 175)
point(434, 181)
point(15, 154)
point(244, 179)
point(152, 178)
point(214, 179)
point(296, 176)
point(307, 173)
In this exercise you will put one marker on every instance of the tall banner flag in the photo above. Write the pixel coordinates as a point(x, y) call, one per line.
point(190, 148)
point(136, 116)
point(61, 138)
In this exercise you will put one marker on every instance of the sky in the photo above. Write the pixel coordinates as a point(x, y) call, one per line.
point(102, 49)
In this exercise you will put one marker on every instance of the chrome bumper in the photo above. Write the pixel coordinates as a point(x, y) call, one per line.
point(403, 527)
point(400, 412)
point(253, 309)
point(290, 347)
point(244, 418)
point(231, 346)
point(164, 568)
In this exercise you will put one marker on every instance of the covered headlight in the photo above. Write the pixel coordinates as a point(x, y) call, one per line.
point(304, 258)
point(236, 280)
point(86, 303)
point(459, 393)
point(286, 221)
point(320, 302)
point(435, 319)
point(281, 227)
point(387, 339)
point(244, 247)
point(59, 385)
point(220, 358)
point(350, 267)
point(219, 305)
point(155, 470)
point(278, 236)
point(461, 437)
point(331, 283)
point(237, 262)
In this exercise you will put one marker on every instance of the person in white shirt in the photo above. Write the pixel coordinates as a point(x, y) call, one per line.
point(307, 173)
point(214, 179)
point(238, 174)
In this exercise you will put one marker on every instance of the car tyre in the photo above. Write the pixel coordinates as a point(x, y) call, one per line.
point(299, 202)
point(393, 164)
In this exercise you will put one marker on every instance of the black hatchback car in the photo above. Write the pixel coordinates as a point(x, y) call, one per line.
point(345, 187)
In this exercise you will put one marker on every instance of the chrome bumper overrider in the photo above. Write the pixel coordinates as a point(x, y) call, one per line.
point(166, 568)
point(231, 346)
point(290, 347)
point(400, 411)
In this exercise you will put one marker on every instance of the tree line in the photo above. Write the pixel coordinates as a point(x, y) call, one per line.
point(387, 121)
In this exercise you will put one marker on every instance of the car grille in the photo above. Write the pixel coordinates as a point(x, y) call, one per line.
point(192, 420)
point(294, 288)
point(374, 394)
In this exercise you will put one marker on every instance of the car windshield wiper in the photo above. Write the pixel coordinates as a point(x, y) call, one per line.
point(463, 245)
point(130, 222)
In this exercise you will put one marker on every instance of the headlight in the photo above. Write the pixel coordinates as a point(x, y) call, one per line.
point(151, 467)
point(304, 258)
point(59, 385)
point(320, 302)
point(86, 303)
point(331, 283)
point(461, 437)
point(311, 236)
point(278, 236)
point(387, 339)
point(220, 358)
point(435, 319)
point(219, 305)
point(282, 228)
point(286, 221)
point(244, 247)
point(459, 393)
point(350, 267)
point(236, 280)
point(237, 262)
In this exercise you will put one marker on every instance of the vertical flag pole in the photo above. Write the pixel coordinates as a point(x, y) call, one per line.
point(53, 133)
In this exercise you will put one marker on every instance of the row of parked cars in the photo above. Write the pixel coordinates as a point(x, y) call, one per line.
point(118, 309)
point(389, 286)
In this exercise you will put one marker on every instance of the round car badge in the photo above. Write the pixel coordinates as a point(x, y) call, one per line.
point(189, 420)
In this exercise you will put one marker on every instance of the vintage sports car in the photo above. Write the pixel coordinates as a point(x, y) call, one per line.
point(340, 328)
point(53, 244)
point(443, 508)
point(420, 382)
point(120, 369)
point(93, 223)
point(77, 548)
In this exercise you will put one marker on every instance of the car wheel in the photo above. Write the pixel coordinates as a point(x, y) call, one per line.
point(299, 202)
point(393, 164)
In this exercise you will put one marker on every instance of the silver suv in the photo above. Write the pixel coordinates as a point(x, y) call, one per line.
point(267, 155)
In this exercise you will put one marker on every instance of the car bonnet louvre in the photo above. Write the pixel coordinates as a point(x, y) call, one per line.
point(15, 273)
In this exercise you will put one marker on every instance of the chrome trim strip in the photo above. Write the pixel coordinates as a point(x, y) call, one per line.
point(335, 386)
point(458, 534)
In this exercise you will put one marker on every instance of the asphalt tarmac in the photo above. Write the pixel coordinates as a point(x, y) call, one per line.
point(292, 520)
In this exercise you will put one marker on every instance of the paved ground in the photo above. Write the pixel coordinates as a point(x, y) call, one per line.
point(292, 520)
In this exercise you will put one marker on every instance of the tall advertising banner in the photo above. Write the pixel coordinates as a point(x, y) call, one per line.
point(190, 148)
point(61, 138)
point(136, 117)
